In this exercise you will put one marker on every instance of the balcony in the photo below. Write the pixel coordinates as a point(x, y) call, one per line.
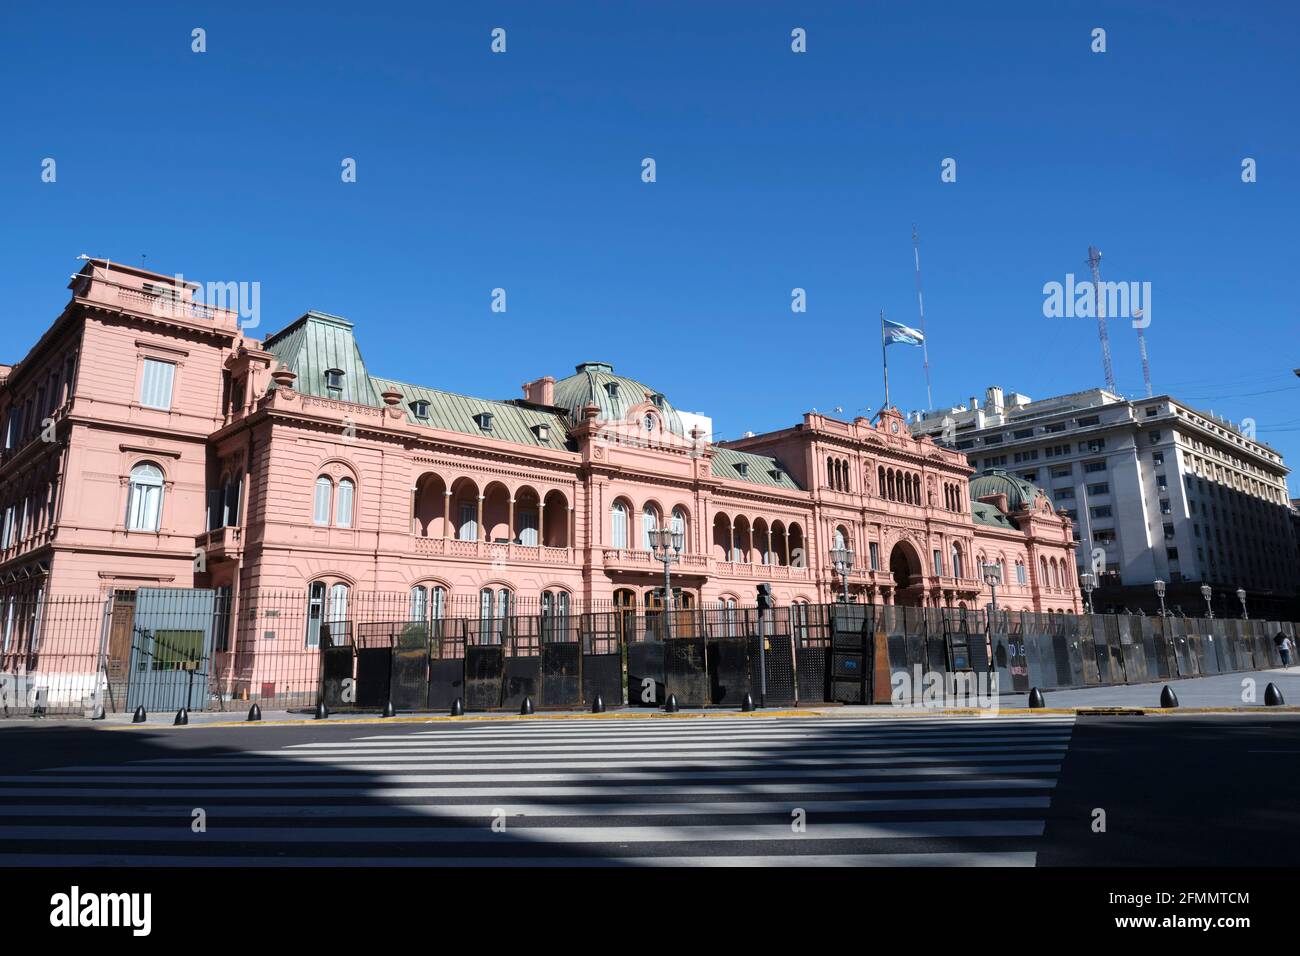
point(638, 560)
point(221, 543)
point(508, 552)
point(773, 572)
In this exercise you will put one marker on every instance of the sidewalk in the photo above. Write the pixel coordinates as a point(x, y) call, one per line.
point(1216, 693)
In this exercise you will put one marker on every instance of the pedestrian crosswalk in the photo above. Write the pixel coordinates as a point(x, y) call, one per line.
point(656, 792)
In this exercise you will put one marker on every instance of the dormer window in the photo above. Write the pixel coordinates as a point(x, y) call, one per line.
point(542, 431)
point(334, 379)
point(484, 420)
point(420, 408)
point(775, 473)
point(658, 399)
point(742, 468)
point(611, 389)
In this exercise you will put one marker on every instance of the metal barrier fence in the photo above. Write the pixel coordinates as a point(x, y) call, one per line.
point(166, 648)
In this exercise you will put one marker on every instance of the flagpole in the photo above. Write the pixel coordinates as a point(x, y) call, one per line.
point(884, 357)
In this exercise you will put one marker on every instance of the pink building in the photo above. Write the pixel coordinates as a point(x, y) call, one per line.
point(149, 443)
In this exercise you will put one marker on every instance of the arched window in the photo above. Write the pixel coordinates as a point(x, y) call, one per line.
point(840, 541)
point(230, 495)
point(144, 499)
point(333, 614)
point(1046, 582)
point(320, 512)
point(618, 525)
point(830, 472)
point(343, 509)
point(649, 522)
point(880, 482)
point(679, 527)
point(957, 570)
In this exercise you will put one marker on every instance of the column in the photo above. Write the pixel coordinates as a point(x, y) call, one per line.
point(446, 511)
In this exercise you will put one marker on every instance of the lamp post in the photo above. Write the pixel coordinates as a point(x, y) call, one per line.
point(992, 574)
point(1160, 593)
point(1088, 581)
point(842, 562)
point(1207, 592)
point(1241, 596)
point(666, 545)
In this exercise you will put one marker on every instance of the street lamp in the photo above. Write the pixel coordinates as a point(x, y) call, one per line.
point(1207, 592)
point(842, 562)
point(1088, 581)
point(1241, 596)
point(666, 545)
point(1160, 593)
point(992, 574)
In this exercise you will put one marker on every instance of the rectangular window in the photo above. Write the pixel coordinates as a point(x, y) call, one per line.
point(528, 528)
point(1054, 427)
point(1061, 472)
point(1101, 512)
point(938, 563)
point(1089, 421)
point(875, 556)
point(1092, 467)
point(1100, 488)
point(156, 384)
point(320, 512)
point(1021, 576)
point(1024, 433)
point(468, 522)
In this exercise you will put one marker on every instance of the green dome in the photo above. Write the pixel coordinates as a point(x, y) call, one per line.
point(594, 383)
point(997, 482)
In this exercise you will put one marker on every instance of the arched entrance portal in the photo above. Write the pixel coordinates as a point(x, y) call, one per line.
point(904, 565)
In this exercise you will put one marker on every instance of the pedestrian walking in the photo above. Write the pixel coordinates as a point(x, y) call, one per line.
point(1284, 646)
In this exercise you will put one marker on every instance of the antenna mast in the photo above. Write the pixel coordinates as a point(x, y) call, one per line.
point(1094, 260)
point(1146, 367)
point(920, 303)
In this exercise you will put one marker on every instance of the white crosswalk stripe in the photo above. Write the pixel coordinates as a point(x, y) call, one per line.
point(704, 791)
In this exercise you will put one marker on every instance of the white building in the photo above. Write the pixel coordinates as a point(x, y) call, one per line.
point(1156, 489)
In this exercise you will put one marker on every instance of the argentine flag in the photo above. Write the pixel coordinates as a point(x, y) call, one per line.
point(894, 332)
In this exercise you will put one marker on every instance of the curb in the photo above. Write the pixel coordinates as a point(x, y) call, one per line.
point(1094, 711)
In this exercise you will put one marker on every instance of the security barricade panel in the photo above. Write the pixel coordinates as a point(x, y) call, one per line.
point(727, 665)
point(1156, 630)
point(374, 664)
point(1228, 645)
point(409, 681)
point(1271, 631)
point(1198, 644)
point(646, 674)
point(778, 668)
point(846, 665)
point(522, 678)
point(1002, 656)
point(1101, 648)
point(1183, 659)
point(1133, 658)
point(684, 670)
point(1040, 655)
point(1071, 649)
point(602, 657)
point(338, 666)
point(485, 663)
point(446, 663)
point(1086, 634)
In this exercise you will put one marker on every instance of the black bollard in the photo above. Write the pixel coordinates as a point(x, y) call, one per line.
point(457, 708)
point(1036, 698)
point(1168, 698)
point(671, 706)
point(1272, 696)
point(139, 716)
point(254, 713)
point(388, 710)
point(747, 705)
point(322, 711)
point(182, 718)
point(526, 707)
point(598, 705)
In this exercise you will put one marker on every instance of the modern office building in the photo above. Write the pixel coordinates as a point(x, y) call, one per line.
point(1157, 490)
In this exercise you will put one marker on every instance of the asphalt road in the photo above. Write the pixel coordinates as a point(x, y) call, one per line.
point(1211, 790)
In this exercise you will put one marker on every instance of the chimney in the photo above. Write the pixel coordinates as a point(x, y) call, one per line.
point(993, 400)
point(540, 392)
point(974, 404)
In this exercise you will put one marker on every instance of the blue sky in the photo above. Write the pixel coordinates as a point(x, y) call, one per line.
point(775, 170)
